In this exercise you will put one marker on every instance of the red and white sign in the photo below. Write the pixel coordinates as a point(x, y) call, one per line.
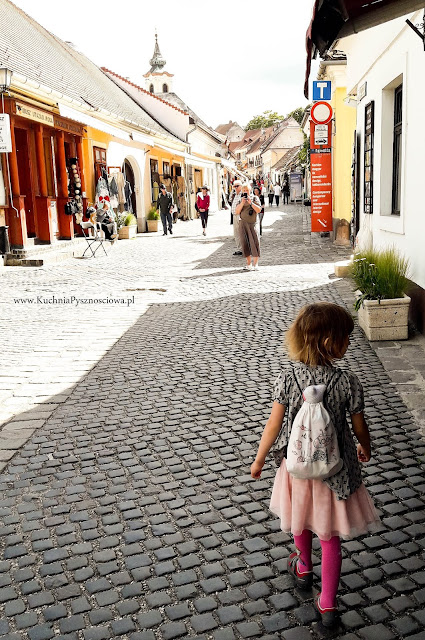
point(321, 113)
point(321, 168)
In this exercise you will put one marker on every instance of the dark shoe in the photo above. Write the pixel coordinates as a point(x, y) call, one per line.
point(237, 253)
point(329, 616)
point(171, 232)
point(304, 580)
point(164, 234)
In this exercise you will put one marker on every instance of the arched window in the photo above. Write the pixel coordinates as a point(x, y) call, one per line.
point(151, 89)
point(165, 88)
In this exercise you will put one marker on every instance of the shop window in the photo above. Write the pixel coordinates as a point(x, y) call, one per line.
point(100, 164)
point(151, 89)
point(397, 140)
point(368, 157)
point(165, 88)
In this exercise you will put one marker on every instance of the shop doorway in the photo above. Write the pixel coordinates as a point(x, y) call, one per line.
point(128, 173)
point(23, 155)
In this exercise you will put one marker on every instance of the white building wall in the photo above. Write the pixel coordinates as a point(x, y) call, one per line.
point(400, 60)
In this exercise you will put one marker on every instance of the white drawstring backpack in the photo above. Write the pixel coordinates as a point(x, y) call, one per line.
point(313, 451)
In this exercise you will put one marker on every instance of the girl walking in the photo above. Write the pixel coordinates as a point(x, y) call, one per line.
point(338, 506)
point(203, 204)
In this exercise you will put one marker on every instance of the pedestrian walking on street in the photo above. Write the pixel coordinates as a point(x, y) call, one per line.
point(248, 209)
point(332, 507)
point(257, 192)
point(285, 192)
point(277, 192)
point(236, 198)
point(165, 205)
point(203, 202)
point(271, 194)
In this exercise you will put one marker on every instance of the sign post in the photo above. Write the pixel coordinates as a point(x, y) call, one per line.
point(321, 166)
point(5, 139)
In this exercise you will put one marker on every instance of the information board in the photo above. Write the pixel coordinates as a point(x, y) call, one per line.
point(321, 176)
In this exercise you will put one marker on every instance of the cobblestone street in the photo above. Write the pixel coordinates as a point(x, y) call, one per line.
point(126, 505)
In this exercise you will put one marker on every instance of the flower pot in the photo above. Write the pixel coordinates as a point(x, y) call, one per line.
point(125, 233)
point(386, 320)
point(152, 225)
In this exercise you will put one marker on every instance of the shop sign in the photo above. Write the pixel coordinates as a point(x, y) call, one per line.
point(68, 125)
point(5, 139)
point(27, 111)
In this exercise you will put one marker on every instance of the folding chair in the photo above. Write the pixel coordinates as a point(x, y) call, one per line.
point(96, 240)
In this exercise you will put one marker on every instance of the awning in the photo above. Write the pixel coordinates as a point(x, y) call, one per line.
point(334, 19)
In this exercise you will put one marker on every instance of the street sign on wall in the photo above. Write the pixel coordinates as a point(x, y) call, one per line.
point(322, 90)
point(5, 139)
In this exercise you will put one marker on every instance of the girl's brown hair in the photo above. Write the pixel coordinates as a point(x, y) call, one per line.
point(319, 333)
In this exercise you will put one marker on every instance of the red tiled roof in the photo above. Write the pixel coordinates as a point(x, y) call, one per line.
point(112, 73)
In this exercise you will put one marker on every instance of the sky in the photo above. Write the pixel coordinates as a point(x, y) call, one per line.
point(231, 61)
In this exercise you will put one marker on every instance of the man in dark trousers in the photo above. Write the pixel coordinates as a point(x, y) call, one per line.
point(165, 205)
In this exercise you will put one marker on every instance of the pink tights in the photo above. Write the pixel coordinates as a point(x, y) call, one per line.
point(331, 564)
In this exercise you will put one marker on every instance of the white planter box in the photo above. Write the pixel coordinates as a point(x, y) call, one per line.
point(386, 320)
point(125, 233)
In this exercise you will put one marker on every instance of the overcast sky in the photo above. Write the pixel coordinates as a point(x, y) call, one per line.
point(231, 60)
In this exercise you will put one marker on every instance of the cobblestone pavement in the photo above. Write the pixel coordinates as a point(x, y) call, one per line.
point(130, 511)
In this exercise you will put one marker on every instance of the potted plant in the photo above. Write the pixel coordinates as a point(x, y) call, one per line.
point(129, 228)
point(381, 277)
point(152, 218)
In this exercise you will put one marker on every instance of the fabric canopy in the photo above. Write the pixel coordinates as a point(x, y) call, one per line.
point(334, 19)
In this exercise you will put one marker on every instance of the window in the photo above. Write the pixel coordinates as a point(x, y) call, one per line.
point(151, 89)
point(397, 139)
point(165, 169)
point(164, 88)
point(99, 161)
point(368, 157)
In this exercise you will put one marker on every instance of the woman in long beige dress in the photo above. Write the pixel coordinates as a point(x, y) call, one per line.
point(248, 210)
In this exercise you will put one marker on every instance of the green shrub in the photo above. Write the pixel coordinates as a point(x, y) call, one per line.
point(130, 220)
point(380, 275)
point(153, 213)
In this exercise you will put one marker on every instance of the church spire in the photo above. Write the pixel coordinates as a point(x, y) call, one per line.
point(157, 62)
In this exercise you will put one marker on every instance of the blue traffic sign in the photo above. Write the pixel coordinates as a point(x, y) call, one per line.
point(322, 90)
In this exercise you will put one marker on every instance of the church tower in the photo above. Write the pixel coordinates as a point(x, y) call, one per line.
point(156, 79)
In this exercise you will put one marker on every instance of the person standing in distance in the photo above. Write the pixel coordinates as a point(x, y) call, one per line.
point(237, 185)
point(203, 202)
point(165, 206)
point(271, 194)
point(277, 192)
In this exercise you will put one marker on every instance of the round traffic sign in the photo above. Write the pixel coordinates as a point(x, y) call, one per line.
point(321, 112)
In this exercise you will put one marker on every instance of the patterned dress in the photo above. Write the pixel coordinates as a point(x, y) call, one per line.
point(339, 505)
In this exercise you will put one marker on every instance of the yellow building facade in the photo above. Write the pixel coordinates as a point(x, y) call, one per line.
point(344, 117)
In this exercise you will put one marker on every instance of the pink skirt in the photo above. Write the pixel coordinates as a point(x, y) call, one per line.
point(310, 504)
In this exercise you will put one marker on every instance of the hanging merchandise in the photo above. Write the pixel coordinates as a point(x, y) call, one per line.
point(155, 189)
point(102, 192)
point(181, 183)
point(128, 191)
point(113, 191)
point(74, 190)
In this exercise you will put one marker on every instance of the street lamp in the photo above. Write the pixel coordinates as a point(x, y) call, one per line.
point(5, 79)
